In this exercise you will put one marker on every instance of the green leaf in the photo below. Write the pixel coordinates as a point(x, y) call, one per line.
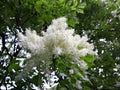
point(81, 71)
point(61, 1)
point(86, 88)
point(13, 66)
point(38, 6)
point(82, 6)
point(80, 11)
point(89, 59)
point(35, 80)
point(80, 47)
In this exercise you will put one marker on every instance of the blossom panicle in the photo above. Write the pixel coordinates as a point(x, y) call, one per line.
point(57, 40)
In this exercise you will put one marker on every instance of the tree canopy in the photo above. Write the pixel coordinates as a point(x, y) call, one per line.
point(98, 19)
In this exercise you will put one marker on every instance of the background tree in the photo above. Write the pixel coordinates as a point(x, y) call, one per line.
point(100, 21)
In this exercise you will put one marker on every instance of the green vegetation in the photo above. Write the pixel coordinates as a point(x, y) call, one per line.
point(99, 19)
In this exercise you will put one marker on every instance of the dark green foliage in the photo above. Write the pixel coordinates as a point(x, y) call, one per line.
point(103, 29)
point(92, 17)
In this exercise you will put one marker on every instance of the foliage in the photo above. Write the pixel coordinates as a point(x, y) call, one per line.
point(16, 16)
point(101, 22)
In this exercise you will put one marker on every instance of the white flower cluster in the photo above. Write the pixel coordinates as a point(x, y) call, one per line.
point(57, 40)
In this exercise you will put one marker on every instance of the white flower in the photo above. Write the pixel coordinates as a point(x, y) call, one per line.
point(57, 51)
point(78, 85)
point(57, 40)
point(32, 41)
point(71, 71)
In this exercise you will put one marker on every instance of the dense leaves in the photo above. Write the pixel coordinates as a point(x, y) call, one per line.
point(99, 19)
point(102, 26)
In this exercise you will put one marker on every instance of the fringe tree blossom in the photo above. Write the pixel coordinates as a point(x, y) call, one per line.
point(56, 41)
